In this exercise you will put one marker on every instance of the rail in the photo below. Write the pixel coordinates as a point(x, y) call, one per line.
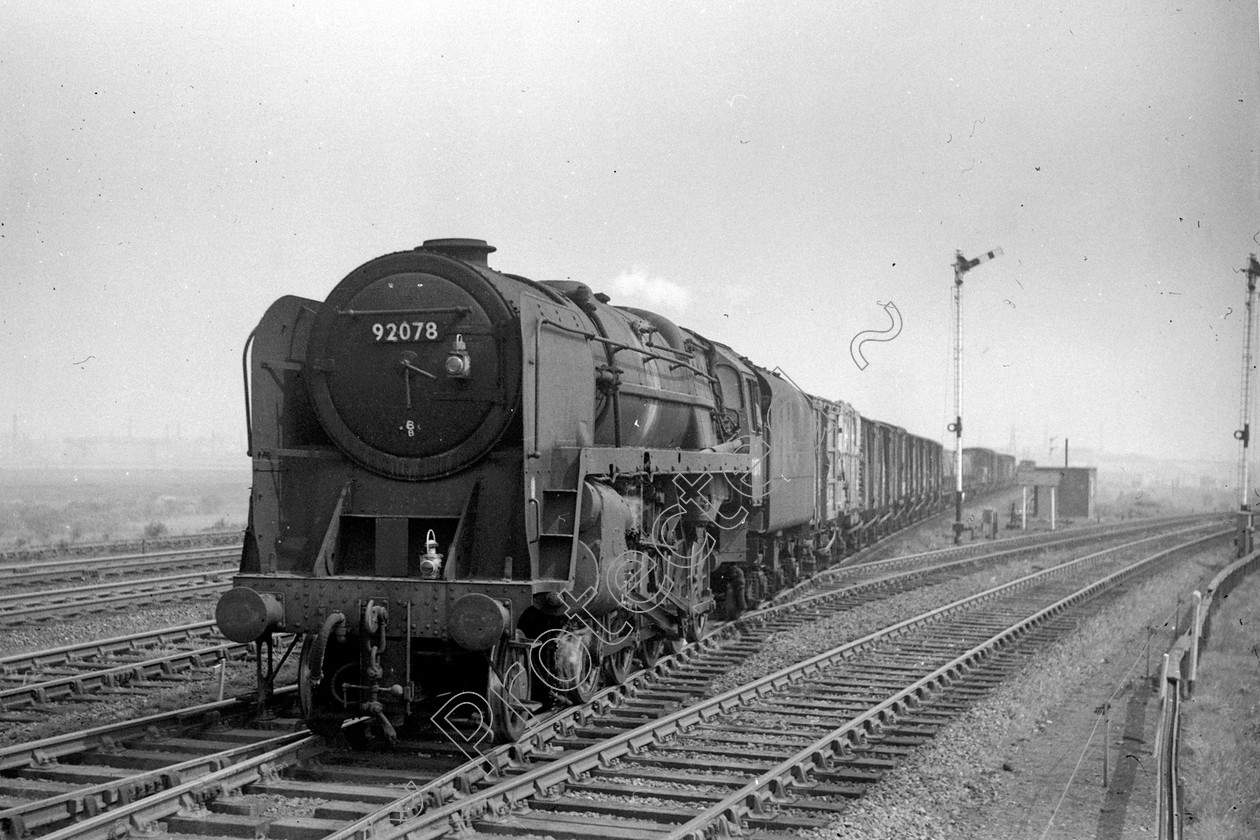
point(15, 554)
point(471, 805)
point(23, 607)
point(80, 672)
point(502, 761)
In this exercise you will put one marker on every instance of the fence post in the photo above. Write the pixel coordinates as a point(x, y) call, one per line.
point(1106, 743)
point(1150, 634)
point(1160, 792)
point(1163, 679)
point(1194, 643)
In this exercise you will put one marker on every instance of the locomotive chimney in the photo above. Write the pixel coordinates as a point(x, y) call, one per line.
point(468, 250)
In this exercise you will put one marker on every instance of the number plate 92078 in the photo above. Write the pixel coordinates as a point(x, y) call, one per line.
point(405, 330)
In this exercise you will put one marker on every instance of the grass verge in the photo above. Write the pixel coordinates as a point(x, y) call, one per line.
point(1220, 730)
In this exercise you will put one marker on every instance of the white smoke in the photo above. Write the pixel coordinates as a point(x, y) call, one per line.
point(637, 288)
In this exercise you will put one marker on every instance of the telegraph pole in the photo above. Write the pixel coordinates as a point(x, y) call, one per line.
point(1243, 435)
point(961, 266)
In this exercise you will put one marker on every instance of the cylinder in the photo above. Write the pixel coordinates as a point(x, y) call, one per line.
point(599, 583)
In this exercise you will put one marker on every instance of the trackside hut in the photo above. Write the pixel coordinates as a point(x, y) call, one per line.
point(1067, 491)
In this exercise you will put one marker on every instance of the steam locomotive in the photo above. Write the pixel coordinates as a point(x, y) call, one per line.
point(470, 487)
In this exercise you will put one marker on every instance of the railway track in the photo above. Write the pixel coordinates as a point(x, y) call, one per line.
point(34, 685)
point(74, 571)
point(786, 751)
point(29, 553)
point(1013, 545)
point(63, 780)
point(30, 607)
point(888, 545)
point(651, 695)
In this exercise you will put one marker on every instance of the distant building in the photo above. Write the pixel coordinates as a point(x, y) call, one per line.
point(1059, 492)
point(1077, 489)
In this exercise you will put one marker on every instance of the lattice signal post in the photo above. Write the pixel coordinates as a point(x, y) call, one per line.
point(961, 266)
point(1243, 435)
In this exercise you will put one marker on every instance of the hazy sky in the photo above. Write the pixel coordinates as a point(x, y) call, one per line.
point(766, 173)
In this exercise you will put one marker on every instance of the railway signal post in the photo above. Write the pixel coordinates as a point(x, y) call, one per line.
point(961, 266)
point(1243, 434)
